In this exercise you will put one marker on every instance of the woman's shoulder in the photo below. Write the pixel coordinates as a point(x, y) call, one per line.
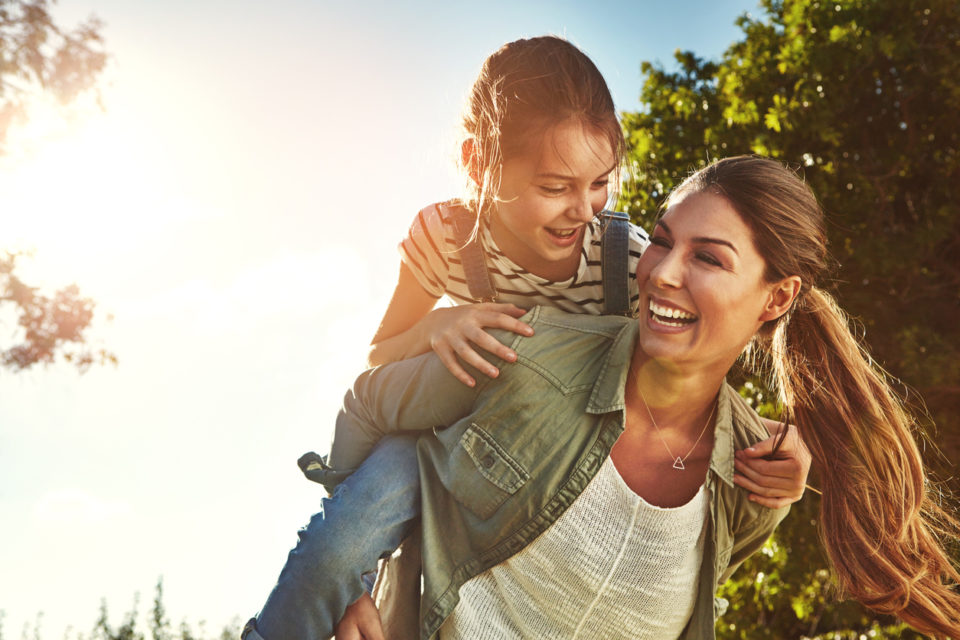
point(554, 331)
point(569, 340)
point(586, 323)
point(748, 429)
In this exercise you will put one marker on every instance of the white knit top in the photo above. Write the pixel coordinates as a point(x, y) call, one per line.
point(612, 566)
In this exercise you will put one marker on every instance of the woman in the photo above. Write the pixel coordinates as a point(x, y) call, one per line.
point(540, 498)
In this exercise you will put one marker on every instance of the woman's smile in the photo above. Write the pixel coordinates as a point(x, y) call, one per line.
point(662, 314)
point(701, 283)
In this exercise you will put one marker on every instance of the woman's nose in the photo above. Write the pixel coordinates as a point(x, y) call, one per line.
point(668, 272)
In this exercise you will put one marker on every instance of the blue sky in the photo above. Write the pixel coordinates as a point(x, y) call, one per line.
point(235, 210)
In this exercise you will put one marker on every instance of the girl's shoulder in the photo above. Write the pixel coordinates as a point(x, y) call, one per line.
point(444, 212)
point(438, 222)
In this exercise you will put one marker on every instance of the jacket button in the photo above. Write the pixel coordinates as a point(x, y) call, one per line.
point(487, 461)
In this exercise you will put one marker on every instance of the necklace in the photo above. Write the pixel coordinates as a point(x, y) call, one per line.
point(678, 461)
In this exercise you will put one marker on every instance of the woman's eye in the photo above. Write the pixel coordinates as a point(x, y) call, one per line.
point(709, 259)
point(660, 241)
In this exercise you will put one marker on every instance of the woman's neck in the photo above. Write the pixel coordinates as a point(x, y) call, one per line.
point(677, 399)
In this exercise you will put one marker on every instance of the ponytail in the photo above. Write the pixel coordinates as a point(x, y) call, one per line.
point(880, 527)
point(882, 530)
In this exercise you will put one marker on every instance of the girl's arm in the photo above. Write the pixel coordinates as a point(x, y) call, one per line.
point(778, 480)
point(414, 394)
point(411, 326)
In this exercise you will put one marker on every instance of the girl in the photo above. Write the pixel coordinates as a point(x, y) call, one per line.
point(542, 145)
point(586, 492)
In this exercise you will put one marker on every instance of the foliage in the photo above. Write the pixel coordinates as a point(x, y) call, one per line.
point(158, 623)
point(48, 327)
point(37, 56)
point(785, 591)
point(862, 97)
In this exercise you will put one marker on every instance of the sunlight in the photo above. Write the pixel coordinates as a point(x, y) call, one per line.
point(54, 186)
point(78, 189)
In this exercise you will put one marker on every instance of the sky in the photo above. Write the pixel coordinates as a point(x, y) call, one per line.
point(234, 211)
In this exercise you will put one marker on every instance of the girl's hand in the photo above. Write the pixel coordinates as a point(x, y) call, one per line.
point(457, 331)
point(361, 621)
point(778, 480)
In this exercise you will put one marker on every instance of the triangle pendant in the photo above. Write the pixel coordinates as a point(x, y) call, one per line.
point(678, 464)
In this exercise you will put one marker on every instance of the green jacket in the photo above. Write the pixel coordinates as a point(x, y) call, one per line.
point(511, 454)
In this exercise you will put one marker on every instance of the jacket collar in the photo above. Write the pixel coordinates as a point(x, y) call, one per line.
point(607, 396)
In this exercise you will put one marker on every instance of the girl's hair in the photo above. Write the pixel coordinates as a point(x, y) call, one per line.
point(525, 88)
point(880, 525)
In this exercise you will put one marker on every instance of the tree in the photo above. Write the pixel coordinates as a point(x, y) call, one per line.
point(39, 58)
point(48, 326)
point(159, 624)
point(863, 97)
point(126, 631)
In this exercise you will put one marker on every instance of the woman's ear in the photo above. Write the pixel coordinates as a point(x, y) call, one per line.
point(782, 295)
point(470, 157)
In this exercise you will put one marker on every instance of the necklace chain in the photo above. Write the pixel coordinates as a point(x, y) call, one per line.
point(678, 461)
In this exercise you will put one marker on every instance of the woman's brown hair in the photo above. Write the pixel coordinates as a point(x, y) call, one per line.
point(881, 526)
point(523, 89)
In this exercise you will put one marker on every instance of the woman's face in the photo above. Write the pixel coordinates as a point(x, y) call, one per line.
point(546, 199)
point(703, 295)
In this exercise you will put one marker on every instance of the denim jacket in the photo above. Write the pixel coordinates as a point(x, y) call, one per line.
point(511, 454)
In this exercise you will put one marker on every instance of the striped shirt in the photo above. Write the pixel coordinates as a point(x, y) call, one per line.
point(430, 251)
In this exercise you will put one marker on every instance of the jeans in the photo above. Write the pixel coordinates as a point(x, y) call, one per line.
point(366, 518)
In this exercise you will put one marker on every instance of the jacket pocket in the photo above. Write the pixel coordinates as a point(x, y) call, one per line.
point(485, 475)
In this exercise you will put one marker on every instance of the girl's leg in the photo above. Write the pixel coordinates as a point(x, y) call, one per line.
point(367, 517)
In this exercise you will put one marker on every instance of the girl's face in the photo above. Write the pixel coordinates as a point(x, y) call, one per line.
point(547, 197)
point(702, 291)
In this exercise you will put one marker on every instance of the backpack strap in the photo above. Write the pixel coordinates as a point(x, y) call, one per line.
point(466, 234)
point(615, 251)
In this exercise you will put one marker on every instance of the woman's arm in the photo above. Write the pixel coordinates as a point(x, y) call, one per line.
point(411, 326)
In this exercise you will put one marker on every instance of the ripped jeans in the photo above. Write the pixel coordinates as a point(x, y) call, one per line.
point(366, 518)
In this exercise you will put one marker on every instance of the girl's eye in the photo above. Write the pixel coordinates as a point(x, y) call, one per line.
point(553, 191)
point(601, 184)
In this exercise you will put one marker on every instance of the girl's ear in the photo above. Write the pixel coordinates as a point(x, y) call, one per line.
point(782, 295)
point(470, 157)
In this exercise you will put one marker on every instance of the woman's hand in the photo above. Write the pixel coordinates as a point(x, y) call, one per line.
point(361, 621)
point(774, 479)
point(454, 333)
